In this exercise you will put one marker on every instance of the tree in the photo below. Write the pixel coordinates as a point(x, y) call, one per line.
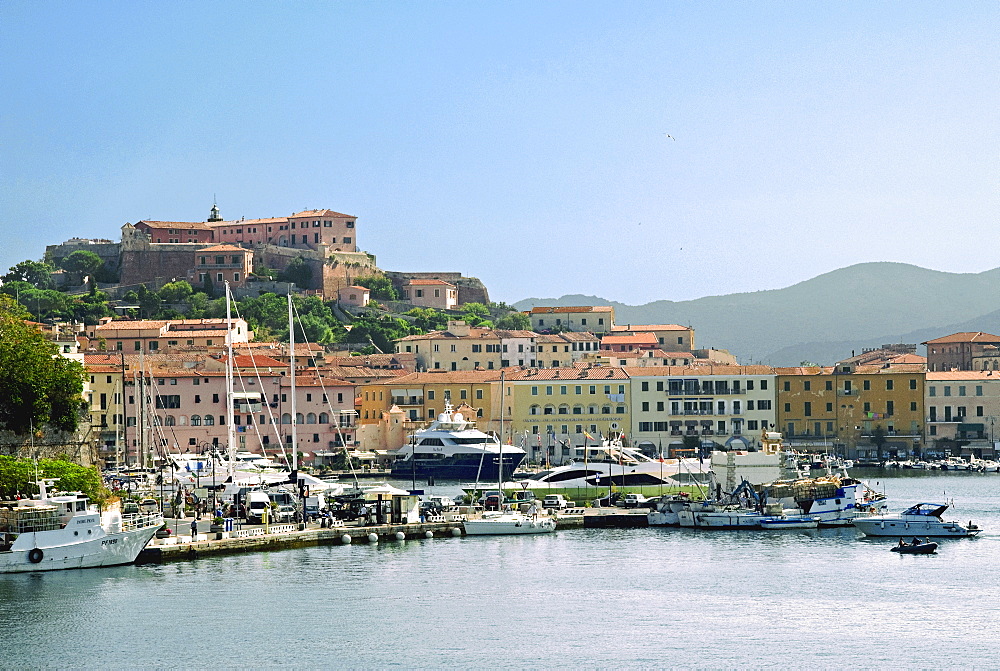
point(299, 272)
point(35, 273)
point(515, 321)
point(17, 476)
point(380, 286)
point(176, 292)
point(38, 386)
point(82, 263)
point(428, 319)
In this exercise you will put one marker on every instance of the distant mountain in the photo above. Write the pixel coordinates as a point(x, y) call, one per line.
point(823, 319)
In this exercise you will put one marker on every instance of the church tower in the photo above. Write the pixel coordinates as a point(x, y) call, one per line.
point(215, 214)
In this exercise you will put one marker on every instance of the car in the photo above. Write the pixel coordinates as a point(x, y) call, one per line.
point(608, 501)
point(130, 508)
point(556, 502)
point(285, 513)
point(149, 506)
point(635, 501)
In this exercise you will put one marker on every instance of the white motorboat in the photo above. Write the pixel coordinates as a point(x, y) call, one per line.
point(923, 519)
point(614, 464)
point(65, 530)
point(508, 523)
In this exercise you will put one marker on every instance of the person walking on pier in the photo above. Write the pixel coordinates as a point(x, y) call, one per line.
point(194, 529)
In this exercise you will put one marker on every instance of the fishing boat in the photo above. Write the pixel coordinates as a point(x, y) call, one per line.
point(64, 530)
point(923, 519)
point(790, 522)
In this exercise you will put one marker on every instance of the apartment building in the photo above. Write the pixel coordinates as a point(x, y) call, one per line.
point(152, 335)
point(963, 412)
point(212, 266)
point(594, 319)
point(957, 351)
point(431, 293)
point(724, 406)
point(669, 337)
point(852, 408)
point(459, 347)
point(555, 410)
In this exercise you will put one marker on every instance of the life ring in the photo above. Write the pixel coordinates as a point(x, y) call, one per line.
point(35, 556)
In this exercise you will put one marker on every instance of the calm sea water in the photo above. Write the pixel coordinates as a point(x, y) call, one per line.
point(643, 598)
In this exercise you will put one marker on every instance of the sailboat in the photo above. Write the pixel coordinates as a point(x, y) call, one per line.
point(507, 522)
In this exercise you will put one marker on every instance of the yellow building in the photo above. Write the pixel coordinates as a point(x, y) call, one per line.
point(105, 400)
point(459, 348)
point(852, 408)
point(554, 410)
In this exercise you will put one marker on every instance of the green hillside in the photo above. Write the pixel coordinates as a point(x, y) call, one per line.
point(824, 318)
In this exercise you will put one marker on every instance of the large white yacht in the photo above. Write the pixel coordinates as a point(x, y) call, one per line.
point(65, 531)
point(611, 463)
point(453, 448)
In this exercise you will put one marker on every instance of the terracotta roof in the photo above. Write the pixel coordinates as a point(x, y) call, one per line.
point(578, 336)
point(881, 369)
point(505, 333)
point(804, 370)
point(320, 213)
point(966, 336)
point(447, 377)
point(649, 327)
point(700, 371)
point(987, 375)
point(428, 283)
point(258, 360)
point(200, 225)
point(631, 339)
point(568, 374)
point(443, 335)
point(225, 248)
point(584, 308)
point(355, 287)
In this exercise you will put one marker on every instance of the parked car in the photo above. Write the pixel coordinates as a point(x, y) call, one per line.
point(149, 506)
point(130, 508)
point(556, 502)
point(635, 501)
point(608, 501)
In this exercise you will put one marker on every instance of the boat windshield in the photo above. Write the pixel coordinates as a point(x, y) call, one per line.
point(470, 441)
point(928, 509)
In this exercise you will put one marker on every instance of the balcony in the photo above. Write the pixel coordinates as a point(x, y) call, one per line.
point(847, 392)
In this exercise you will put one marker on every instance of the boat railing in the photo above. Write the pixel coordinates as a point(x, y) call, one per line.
point(134, 521)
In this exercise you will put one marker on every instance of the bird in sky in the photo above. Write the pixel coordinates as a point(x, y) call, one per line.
point(671, 137)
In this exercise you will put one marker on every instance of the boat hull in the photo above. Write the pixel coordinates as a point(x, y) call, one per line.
point(60, 550)
point(888, 526)
point(460, 467)
point(508, 525)
point(789, 523)
point(922, 549)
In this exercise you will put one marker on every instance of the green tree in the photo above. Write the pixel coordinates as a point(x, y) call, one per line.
point(18, 476)
point(514, 321)
point(176, 292)
point(35, 273)
point(428, 319)
point(380, 286)
point(38, 386)
point(299, 272)
point(47, 304)
point(82, 263)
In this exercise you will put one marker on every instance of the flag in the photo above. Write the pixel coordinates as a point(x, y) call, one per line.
point(589, 437)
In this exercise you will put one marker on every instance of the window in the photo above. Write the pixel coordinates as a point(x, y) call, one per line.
point(763, 385)
point(807, 385)
point(787, 386)
point(829, 385)
point(888, 385)
point(807, 409)
point(961, 391)
point(829, 407)
point(788, 407)
point(645, 406)
point(947, 391)
point(866, 385)
point(932, 391)
point(913, 406)
point(645, 386)
point(534, 391)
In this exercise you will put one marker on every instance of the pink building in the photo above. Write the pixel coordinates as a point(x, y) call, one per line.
point(353, 295)
point(431, 294)
point(221, 263)
point(176, 231)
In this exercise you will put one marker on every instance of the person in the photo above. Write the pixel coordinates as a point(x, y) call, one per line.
point(533, 511)
point(916, 541)
point(901, 543)
point(194, 528)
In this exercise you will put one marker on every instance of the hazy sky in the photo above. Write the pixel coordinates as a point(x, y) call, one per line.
point(524, 143)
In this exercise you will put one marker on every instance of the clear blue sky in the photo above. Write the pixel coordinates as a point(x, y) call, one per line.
point(524, 143)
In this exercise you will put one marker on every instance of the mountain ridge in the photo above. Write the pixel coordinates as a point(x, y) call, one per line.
point(862, 305)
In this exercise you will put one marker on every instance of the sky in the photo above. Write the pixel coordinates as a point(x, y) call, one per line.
point(637, 151)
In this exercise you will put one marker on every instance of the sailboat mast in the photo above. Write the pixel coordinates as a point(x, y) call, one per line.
point(500, 452)
point(291, 371)
point(230, 414)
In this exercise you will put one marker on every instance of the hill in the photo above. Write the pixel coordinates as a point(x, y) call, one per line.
point(823, 319)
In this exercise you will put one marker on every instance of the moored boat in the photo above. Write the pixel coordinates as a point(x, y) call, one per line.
point(65, 530)
point(508, 524)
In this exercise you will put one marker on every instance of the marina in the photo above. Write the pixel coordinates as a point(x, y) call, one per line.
point(399, 603)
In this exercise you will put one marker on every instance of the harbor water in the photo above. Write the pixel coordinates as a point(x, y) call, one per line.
point(631, 598)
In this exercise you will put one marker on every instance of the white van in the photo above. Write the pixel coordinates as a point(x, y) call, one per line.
point(257, 502)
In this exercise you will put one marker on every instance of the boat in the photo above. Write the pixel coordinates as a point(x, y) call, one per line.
point(508, 523)
point(923, 519)
point(617, 465)
point(835, 499)
point(453, 448)
point(790, 522)
point(64, 530)
point(916, 548)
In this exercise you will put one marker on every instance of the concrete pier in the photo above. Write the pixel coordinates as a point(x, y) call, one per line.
point(282, 537)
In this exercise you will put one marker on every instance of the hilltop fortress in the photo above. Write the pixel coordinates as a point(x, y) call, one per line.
point(214, 251)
